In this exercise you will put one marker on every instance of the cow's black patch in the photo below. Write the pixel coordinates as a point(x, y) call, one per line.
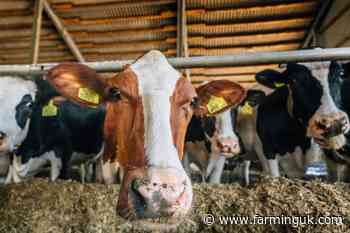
point(24, 110)
point(198, 128)
point(74, 129)
point(306, 92)
point(278, 131)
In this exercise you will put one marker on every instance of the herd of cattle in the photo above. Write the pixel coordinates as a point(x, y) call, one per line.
point(151, 123)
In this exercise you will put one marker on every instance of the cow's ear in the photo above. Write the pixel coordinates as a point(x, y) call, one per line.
point(254, 97)
point(271, 78)
point(78, 83)
point(218, 96)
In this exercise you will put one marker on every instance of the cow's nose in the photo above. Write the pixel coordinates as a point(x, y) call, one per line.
point(333, 125)
point(229, 146)
point(161, 195)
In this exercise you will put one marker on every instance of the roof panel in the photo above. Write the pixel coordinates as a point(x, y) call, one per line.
point(125, 29)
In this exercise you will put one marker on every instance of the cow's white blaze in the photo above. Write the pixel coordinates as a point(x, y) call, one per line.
point(12, 90)
point(156, 82)
point(320, 70)
point(225, 129)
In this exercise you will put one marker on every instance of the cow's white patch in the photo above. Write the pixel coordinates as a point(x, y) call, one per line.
point(157, 81)
point(225, 129)
point(12, 90)
point(320, 71)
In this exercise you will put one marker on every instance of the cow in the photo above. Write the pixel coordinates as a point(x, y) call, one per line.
point(338, 160)
point(208, 142)
point(211, 140)
point(34, 128)
point(62, 134)
point(148, 108)
point(300, 116)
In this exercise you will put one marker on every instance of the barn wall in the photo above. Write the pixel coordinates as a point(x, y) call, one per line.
point(335, 30)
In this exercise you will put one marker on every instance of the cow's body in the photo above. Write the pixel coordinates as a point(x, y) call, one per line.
point(209, 141)
point(73, 136)
point(302, 112)
point(40, 139)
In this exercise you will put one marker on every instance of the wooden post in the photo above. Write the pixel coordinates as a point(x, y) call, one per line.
point(182, 42)
point(36, 31)
point(63, 32)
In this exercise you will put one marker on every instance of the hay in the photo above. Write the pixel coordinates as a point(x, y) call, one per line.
point(40, 206)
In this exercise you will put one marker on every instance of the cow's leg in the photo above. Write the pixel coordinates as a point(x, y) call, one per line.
point(10, 172)
point(186, 164)
point(274, 168)
point(98, 171)
point(56, 164)
point(260, 153)
point(83, 173)
point(107, 173)
point(90, 171)
point(245, 172)
point(216, 173)
point(341, 172)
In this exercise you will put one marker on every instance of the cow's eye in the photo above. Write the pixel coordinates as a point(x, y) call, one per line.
point(194, 102)
point(114, 93)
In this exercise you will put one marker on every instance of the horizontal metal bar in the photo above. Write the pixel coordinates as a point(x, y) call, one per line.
point(204, 61)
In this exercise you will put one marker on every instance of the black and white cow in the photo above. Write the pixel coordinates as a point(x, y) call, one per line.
point(301, 112)
point(41, 132)
point(209, 142)
point(339, 160)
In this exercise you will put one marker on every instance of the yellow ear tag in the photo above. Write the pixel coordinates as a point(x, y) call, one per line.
point(277, 85)
point(216, 104)
point(50, 110)
point(89, 95)
point(247, 109)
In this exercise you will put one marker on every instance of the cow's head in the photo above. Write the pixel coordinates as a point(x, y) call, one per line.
point(16, 100)
point(149, 106)
point(314, 89)
point(217, 132)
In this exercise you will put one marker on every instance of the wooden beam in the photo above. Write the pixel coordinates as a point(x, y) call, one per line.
point(63, 32)
point(36, 31)
point(236, 78)
point(233, 70)
point(181, 40)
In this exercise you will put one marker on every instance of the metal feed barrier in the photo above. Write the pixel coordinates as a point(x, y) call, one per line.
point(203, 61)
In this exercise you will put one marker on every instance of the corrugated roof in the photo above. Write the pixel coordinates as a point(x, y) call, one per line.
point(125, 29)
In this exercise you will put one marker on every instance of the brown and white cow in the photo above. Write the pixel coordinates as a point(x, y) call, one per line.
point(149, 106)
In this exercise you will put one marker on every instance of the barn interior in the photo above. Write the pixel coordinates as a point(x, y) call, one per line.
point(124, 30)
point(55, 31)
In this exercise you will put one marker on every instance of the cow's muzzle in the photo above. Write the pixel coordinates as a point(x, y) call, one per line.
point(228, 147)
point(162, 192)
point(328, 130)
